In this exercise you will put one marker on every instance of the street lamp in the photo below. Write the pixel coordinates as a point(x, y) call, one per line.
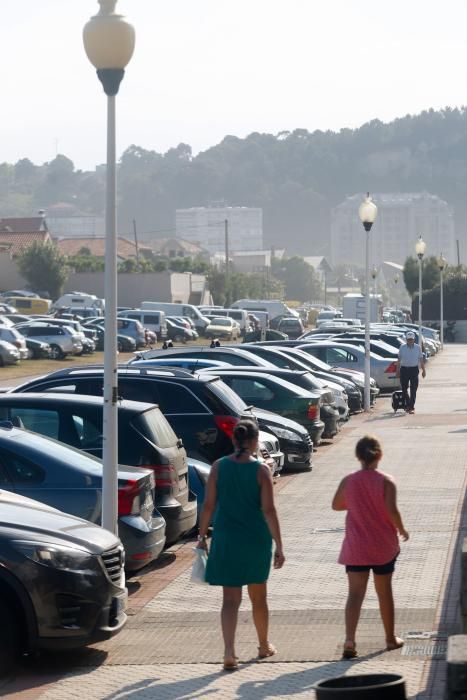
point(396, 282)
point(442, 264)
point(109, 43)
point(420, 247)
point(367, 212)
point(374, 275)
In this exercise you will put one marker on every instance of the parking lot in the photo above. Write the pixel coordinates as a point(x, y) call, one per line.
point(171, 647)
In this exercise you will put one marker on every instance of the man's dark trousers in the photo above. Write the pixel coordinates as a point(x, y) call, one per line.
point(409, 375)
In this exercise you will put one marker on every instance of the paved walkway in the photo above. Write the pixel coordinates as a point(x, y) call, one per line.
point(171, 647)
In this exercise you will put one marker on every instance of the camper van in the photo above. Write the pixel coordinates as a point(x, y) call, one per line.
point(76, 301)
point(29, 305)
point(200, 321)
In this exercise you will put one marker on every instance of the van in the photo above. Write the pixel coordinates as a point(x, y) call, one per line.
point(152, 320)
point(79, 300)
point(274, 307)
point(175, 309)
point(29, 305)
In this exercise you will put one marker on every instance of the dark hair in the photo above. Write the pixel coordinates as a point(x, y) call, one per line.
point(245, 430)
point(367, 449)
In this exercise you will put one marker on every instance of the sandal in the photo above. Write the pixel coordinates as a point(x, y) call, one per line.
point(396, 644)
point(230, 663)
point(268, 650)
point(349, 651)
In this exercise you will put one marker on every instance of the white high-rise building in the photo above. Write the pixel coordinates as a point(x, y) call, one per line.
point(205, 226)
point(402, 218)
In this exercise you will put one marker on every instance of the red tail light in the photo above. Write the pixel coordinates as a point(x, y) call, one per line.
point(17, 344)
point(128, 498)
point(312, 411)
point(391, 369)
point(165, 474)
point(226, 424)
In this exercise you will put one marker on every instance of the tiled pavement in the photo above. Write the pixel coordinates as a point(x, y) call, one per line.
point(171, 646)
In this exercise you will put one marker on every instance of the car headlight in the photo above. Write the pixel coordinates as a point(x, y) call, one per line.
point(285, 434)
point(58, 556)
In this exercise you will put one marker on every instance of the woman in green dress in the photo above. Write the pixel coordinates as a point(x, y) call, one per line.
point(239, 494)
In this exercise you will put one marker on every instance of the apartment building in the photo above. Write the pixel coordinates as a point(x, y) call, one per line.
point(205, 226)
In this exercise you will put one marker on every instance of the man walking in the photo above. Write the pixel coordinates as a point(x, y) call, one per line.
point(410, 362)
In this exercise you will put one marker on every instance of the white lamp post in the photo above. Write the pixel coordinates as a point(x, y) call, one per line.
point(374, 275)
point(420, 248)
point(109, 43)
point(396, 282)
point(442, 264)
point(367, 212)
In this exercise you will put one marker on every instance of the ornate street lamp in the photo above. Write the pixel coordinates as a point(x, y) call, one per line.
point(374, 275)
point(109, 42)
point(442, 264)
point(367, 212)
point(420, 248)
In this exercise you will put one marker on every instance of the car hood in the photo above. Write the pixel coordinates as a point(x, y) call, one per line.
point(24, 518)
point(278, 421)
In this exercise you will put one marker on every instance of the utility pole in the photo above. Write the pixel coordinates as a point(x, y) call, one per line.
point(226, 231)
point(136, 242)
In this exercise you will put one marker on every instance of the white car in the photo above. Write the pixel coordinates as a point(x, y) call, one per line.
point(11, 335)
point(9, 355)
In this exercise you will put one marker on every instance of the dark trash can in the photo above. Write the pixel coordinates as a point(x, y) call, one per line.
point(371, 686)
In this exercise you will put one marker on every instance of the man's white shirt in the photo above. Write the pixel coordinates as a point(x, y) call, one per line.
point(410, 356)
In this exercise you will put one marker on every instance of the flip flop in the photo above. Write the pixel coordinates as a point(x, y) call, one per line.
point(396, 644)
point(271, 651)
point(349, 651)
point(231, 664)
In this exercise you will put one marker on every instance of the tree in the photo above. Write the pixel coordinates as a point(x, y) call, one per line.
point(44, 267)
point(299, 278)
point(430, 274)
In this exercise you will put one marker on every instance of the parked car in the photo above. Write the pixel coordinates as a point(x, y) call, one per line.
point(9, 355)
point(177, 332)
point(133, 328)
point(280, 396)
point(11, 335)
point(222, 327)
point(293, 327)
point(329, 412)
point(37, 350)
point(145, 438)
point(62, 580)
point(193, 365)
point(62, 341)
point(382, 370)
point(15, 319)
point(124, 342)
point(234, 356)
point(33, 465)
point(268, 334)
point(154, 321)
point(88, 344)
point(203, 411)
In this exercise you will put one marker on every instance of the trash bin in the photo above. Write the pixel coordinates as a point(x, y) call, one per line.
point(371, 686)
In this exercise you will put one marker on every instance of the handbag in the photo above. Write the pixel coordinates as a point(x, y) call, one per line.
point(198, 570)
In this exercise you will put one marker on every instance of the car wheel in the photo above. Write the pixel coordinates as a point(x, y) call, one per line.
point(9, 638)
point(119, 346)
point(178, 338)
point(56, 353)
point(30, 354)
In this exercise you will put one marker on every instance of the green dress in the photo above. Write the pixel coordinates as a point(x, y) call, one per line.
point(241, 548)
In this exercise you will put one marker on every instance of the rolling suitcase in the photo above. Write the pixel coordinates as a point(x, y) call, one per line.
point(397, 400)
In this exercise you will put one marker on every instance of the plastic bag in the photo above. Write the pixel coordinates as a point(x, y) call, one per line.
point(198, 570)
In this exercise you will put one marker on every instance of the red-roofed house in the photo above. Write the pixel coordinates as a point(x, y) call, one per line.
point(96, 246)
point(17, 234)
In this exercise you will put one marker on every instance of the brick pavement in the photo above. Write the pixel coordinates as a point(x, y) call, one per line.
point(171, 646)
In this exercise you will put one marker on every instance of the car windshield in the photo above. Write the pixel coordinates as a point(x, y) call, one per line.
point(221, 322)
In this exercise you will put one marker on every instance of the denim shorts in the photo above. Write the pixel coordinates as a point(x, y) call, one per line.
point(378, 569)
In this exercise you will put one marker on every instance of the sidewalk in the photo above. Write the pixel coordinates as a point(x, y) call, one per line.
point(171, 648)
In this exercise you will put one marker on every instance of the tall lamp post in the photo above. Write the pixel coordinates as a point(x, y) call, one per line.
point(442, 264)
point(374, 275)
point(109, 43)
point(396, 282)
point(367, 212)
point(420, 248)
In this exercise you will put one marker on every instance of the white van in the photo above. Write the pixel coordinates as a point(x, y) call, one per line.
point(152, 320)
point(200, 321)
point(79, 300)
point(274, 307)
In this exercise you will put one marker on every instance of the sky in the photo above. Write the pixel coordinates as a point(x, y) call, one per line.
point(204, 69)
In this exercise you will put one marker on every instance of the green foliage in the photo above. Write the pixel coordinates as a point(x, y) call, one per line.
point(44, 267)
point(298, 277)
point(455, 294)
point(430, 274)
point(84, 262)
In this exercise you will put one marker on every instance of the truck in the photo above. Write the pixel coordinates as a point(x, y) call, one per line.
point(354, 305)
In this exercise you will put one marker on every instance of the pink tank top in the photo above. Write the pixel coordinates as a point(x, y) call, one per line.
point(370, 536)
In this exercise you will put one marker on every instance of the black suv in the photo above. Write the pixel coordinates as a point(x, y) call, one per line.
point(145, 439)
point(61, 580)
point(201, 409)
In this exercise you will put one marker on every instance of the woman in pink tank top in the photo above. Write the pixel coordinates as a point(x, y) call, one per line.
point(371, 541)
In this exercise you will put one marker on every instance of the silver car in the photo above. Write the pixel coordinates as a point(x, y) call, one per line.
point(383, 370)
point(11, 335)
point(9, 355)
point(63, 341)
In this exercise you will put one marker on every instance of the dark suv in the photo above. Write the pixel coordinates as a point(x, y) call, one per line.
point(62, 583)
point(201, 409)
point(145, 439)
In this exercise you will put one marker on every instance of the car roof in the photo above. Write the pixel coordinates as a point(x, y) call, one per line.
point(64, 399)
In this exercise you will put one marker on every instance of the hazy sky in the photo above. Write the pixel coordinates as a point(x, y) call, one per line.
point(206, 68)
